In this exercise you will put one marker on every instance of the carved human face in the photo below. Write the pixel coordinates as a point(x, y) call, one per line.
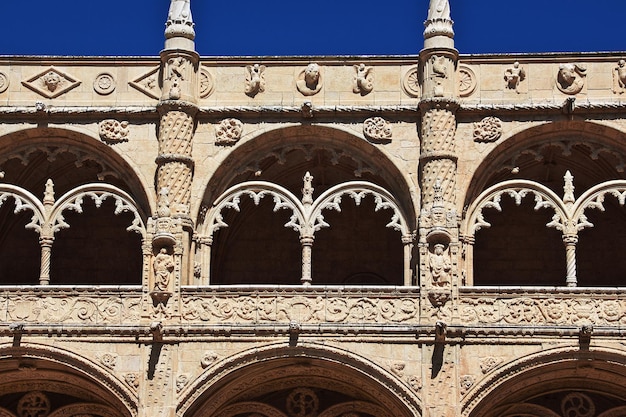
point(312, 74)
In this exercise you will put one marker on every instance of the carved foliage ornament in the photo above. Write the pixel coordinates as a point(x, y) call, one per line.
point(377, 129)
point(488, 130)
point(113, 131)
point(228, 132)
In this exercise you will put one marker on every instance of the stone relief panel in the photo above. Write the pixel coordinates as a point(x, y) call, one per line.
point(619, 77)
point(513, 76)
point(4, 82)
point(309, 81)
point(113, 131)
point(411, 82)
point(255, 79)
point(51, 83)
point(467, 81)
point(363, 82)
point(59, 308)
point(377, 130)
point(104, 84)
point(595, 309)
point(285, 307)
point(148, 83)
point(228, 132)
point(488, 130)
point(571, 78)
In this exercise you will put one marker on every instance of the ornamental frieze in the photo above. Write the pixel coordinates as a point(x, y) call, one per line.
point(63, 309)
point(543, 311)
point(312, 308)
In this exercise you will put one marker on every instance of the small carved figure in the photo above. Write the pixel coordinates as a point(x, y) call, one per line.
point(619, 76)
point(570, 78)
point(440, 70)
point(163, 265)
point(175, 74)
point(514, 75)
point(440, 266)
point(255, 79)
point(363, 80)
point(311, 82)
point(439, 9)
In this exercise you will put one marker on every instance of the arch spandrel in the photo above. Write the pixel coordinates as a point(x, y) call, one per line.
point(515, 385)
point(108, 164)
point(354, 156)
point(592, 140)
point(39, 368)
point(279, 370)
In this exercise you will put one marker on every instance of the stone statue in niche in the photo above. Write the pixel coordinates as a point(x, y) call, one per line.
point(310, 80)
point(514, 75)
point(439, 9)
point(163, 265)
point(255, 79)
point(619, 77)
point(440, 265)
point(571, 78)
point(363, 80)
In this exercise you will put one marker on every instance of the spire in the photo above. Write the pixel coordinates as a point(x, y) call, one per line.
point(438, 32)
point(179, 31)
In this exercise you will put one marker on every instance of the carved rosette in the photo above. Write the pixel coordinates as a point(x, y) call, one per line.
point(206, 84)
point(411, 82)
point(467, 81)
point(488, 129)
point(104, 84)
point(377, 130)
point(113, 131)
point(228, 132)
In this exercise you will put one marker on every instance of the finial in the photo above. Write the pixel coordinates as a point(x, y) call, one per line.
point(438, 32)
point(48, 196)
point(568, 188)
point(179, 22)
point(307, 190)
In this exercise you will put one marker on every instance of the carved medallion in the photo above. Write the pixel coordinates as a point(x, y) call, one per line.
point(132, 379)
point(228, 132)
point(4, 82)
point(310, 80)
point(51, 83)
point(467, 381)
point(208, 359)
point(466, 81)
point(104, 84)
point(148, 83)
point(488, 130)
point(181, 382)
point(411, 82)
point(108, 359)
point(33, 404)
point(377, 129)
point(302, 402)
point(571, 78)
point(113, 131)
point(206, 84)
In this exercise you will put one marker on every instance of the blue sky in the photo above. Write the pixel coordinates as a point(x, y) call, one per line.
point(320, 27)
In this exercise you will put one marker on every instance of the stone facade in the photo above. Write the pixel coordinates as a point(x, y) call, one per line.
point(437, 235)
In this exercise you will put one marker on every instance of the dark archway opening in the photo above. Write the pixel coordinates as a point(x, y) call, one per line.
point(357, 249)
point(518, 248)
